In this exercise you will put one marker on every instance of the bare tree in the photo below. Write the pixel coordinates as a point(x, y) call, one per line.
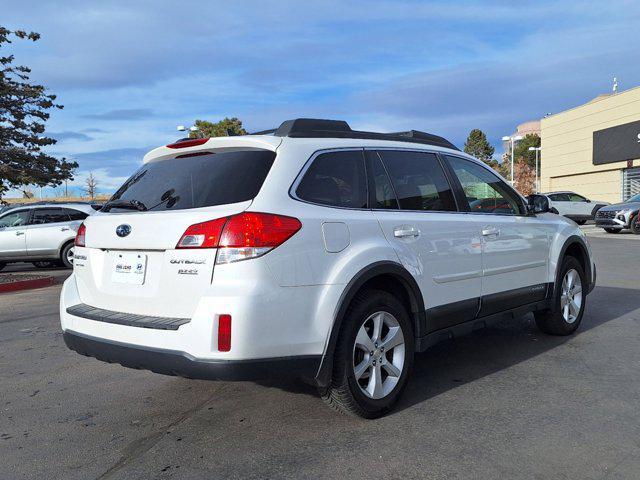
point(91, 186)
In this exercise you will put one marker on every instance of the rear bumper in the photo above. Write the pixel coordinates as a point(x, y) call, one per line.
point(175, 363)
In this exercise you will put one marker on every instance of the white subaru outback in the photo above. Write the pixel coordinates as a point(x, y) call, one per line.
point(315, 251)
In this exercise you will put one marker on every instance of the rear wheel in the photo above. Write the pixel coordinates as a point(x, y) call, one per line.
point(43, 264)
point(373, 356)
point(634, 225)
point(569, 301)
point(66, 256)
point(612, 230)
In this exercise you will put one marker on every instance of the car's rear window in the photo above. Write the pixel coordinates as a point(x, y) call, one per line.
point(197, 181)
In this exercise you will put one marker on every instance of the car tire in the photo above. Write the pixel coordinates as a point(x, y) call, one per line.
point(2, 265)
point(372, 317)
point(66, 255)
point(43, 264)
point(569, 301)
point(581, 222)
point(612, 230)
point(634, 226)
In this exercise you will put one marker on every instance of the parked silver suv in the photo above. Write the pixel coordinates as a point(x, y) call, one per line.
point(615, 218)
point(41, 234)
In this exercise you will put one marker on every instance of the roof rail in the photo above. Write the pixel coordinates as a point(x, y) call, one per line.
point(318, 128)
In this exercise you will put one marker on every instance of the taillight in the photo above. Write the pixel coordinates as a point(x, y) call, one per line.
point(240, 237)
point(192, 142)
point(251, 235)
point(224, 333)
point(80, 236)
point(202, 235)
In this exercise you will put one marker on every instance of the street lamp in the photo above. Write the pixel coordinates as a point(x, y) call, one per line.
point(192, 129)
point(537, 150)
point(513, 140)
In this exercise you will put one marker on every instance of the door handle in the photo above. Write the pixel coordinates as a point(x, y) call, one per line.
point(405, 231)
point(19, 233)
point(65, 229)
point(489, 231)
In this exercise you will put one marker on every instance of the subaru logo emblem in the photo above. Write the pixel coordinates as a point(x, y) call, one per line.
point(123, 230)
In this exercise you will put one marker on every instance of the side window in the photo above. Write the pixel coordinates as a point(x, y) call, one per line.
point(49, 215)
point(75, 214)
point(14, 219)
point(485, 192)
point(336, 179)
point(559, 197)
point(384, 195)
point(418, 180)
point(574, 197)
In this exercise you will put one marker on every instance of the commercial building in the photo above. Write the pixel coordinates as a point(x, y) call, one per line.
point(594, 149)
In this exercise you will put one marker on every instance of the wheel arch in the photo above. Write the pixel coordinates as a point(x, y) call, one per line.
point(576, 247)
point(384, 275)
point(63, 245)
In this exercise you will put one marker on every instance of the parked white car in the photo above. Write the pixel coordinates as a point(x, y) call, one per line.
point(41, 234)
point(576, 207)
point(316, 251)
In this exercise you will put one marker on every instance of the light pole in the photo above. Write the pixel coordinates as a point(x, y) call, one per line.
point(192, 129)
point(537, 150)
point(513, 141)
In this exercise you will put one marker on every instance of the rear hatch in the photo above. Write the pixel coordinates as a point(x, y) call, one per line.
point(130, 262)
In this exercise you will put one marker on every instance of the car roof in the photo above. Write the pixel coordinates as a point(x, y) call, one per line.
point(314, 133)
point(269, 142)
point(85, 207)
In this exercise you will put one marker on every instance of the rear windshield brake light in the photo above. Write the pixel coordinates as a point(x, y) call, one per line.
point(192, 142)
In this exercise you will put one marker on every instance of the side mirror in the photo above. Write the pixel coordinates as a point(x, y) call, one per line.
point(537, 204)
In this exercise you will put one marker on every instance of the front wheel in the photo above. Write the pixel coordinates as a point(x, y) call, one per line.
point(373, 356)
point(581, 222)
point(612, 230)
point(66, 256)
point(569, 301)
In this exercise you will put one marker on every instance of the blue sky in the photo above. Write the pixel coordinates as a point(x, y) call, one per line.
point(129, 72)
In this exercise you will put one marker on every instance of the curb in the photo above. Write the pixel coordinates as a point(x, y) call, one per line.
point(26, 284)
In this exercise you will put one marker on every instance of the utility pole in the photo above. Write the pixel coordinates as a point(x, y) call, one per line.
point(537, 150)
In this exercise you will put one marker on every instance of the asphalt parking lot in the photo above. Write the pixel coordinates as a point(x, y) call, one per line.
point(505, 402)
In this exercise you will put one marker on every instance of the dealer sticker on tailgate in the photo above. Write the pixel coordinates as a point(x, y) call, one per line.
point(129, 268)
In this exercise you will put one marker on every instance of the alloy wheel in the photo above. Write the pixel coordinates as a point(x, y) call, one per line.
point(379, 355)
point(571, 296)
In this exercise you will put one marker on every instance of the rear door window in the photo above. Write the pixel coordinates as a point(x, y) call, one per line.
point(49, 215)
point(418, 180)
point(559, 197)
point(384, 197)
point(336, 179)
point(197, 181)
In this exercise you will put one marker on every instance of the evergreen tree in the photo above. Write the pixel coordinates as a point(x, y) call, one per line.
point(24, 109)
point(478, 146)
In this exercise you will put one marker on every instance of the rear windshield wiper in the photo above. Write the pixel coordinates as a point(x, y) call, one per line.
point(125, 204)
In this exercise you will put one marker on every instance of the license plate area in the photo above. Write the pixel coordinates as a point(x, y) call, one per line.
point(129, 268)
